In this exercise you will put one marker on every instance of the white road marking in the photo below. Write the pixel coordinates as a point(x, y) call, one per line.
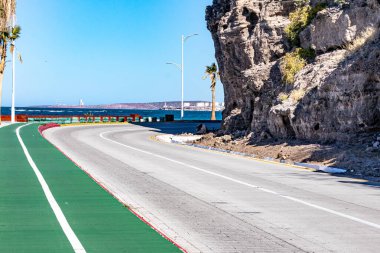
point(74, 241)
point(5, 124)
point(368, 223)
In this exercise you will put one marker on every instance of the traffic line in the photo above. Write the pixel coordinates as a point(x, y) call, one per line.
point(368, 223)
point(73, 239)
point(5, 124)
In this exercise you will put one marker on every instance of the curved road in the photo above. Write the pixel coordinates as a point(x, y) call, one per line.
point(212, 202)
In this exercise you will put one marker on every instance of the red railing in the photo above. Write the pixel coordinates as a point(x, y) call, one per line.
point(19, 118)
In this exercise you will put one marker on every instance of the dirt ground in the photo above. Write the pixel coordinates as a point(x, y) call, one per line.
point(360, 156)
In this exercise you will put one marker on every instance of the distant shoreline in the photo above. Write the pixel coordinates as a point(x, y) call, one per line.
point(108, 108)
point(170, 106)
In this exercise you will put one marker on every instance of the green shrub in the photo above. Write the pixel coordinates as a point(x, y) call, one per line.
point(307, 54)
point(293, 62)
point(299, 20)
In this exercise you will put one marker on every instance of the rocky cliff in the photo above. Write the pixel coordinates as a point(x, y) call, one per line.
point(334, 94)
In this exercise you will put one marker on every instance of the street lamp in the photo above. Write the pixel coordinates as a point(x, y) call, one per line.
point(182, 68)
point(13, 111)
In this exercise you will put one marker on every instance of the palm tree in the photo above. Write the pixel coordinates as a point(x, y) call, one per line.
point(7, 34)
point(212, 72)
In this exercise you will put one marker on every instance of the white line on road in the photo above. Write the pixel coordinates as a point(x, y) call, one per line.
point(74, 241)
point(5, 124)
point(368, 223)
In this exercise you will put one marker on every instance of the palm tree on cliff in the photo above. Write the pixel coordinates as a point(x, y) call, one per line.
point(212, 72)
point(7, 35)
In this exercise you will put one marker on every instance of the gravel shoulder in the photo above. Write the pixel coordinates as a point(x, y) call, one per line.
point(360, 156)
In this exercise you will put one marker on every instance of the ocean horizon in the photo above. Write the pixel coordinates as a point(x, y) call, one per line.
point(39, 111)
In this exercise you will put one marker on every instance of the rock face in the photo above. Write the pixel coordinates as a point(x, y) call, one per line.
point(337, 94)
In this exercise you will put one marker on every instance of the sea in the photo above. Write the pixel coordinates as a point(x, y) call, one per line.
point(188, 115)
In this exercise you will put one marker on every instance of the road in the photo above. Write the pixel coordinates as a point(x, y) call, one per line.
point(212, 202)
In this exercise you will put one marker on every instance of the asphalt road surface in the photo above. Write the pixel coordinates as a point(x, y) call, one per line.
point(212, 202)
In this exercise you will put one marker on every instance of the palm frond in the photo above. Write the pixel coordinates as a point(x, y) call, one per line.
point(4, 35)
point(211, 69)
point(16, 31)
point(20, 58)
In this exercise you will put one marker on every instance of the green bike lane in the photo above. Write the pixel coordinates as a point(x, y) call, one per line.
point(27, 221)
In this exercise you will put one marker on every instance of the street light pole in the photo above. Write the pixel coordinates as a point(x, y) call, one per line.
point(182, 77)
point(13, 110)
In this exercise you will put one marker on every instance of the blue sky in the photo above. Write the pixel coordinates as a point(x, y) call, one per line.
point(110, 51)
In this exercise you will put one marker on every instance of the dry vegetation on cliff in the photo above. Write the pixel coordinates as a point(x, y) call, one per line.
point(366, 36)
point(294, 62)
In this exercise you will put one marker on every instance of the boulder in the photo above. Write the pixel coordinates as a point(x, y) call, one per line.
point(201, 129)
point(340, 87)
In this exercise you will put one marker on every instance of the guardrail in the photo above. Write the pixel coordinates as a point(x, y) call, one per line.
point(19, 118)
